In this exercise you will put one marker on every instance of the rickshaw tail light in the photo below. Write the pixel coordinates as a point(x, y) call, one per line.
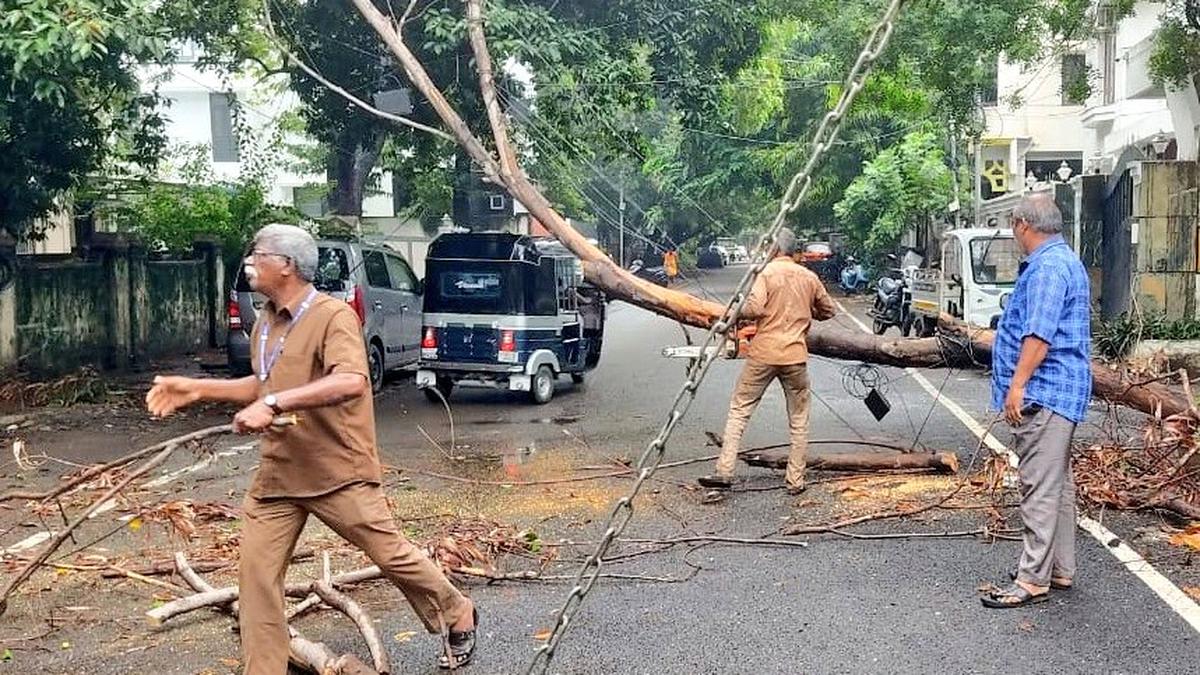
point(508, 341)
point(429, 341)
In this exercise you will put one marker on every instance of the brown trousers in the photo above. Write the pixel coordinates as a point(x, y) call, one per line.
point(358, 513)
point(746, 396)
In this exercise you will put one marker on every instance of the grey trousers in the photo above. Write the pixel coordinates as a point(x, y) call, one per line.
point(1043, 445)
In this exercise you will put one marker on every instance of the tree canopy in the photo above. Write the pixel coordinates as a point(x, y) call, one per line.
point(70, 100)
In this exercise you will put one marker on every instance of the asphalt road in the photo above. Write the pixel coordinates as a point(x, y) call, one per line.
point(838, 605)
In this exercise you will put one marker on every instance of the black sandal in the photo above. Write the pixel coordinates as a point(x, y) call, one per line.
point(997, 599)
point(461, 646)
point(1012, 574)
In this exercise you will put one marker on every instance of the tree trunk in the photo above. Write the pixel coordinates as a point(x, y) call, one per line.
point(1152, 398)
point(351, 166)
point(862, 462)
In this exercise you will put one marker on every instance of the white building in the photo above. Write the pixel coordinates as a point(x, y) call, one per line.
point(1126, 109)
point(198, 112)
point(1031, 124)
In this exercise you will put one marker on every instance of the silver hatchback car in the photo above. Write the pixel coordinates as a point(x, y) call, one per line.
point(375, 280)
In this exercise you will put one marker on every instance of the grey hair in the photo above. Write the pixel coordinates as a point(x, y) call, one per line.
point(293, 242)
point(785, 241)
point(1040, 211)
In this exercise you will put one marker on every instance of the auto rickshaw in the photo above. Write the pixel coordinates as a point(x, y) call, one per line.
point(506, 311)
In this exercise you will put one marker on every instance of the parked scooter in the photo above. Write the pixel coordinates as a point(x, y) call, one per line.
point(853, 278)
point(893, 302)
point(655, 275)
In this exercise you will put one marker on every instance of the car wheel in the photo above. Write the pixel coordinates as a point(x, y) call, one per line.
point(444, 387)
point(543, 385)
point(375, 366)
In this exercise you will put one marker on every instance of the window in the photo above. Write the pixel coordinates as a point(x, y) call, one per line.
point(470, 285)
point(496, 202)
point(333, 269)
point(376, 267)
point(995, 260)
point(402, 275)
point(1075, 87)
point(989, 88)
point(224, 142)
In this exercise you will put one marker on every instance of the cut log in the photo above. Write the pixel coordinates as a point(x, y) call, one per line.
point(866, 462)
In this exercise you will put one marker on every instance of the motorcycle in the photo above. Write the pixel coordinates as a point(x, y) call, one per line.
point(893, 303)
point(853, 278)
point(655, 275)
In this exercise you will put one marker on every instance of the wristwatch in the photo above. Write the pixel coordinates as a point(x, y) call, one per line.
point(273, 404)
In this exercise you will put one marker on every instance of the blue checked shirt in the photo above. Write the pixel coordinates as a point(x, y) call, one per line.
point(1051, 301)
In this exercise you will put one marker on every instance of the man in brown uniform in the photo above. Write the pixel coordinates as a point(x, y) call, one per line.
point(786, 297)
point(308, 356)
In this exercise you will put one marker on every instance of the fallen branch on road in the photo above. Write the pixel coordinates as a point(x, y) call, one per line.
point(945, 462)
point(100, 469)
point(164, 451)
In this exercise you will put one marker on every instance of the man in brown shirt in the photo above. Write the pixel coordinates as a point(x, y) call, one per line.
point(309, 359)
point(786, 297)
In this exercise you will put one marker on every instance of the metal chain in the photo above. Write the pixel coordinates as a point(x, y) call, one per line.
point(648, 463)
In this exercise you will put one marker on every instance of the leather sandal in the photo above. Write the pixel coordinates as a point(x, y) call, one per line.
point(1056, 585)
point(1001, 599)
point(461, 646)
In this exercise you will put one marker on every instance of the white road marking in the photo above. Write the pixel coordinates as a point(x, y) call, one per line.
point(1164, 588)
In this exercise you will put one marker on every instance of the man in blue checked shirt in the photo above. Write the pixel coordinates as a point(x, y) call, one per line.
point(1042, 380)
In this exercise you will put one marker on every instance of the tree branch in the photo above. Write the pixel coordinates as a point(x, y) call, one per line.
point(509, 169)
point(312, 72)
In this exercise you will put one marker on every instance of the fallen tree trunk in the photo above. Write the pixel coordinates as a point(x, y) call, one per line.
point(1150, 397)
point(503, 168)
point(864, 462)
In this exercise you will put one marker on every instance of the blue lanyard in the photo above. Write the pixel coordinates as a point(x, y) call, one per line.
point(265, 363)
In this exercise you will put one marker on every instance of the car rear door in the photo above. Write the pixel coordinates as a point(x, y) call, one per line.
point(383, 306)
point(406, 287)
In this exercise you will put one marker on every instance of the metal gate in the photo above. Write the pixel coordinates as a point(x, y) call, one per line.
point(1116, 279)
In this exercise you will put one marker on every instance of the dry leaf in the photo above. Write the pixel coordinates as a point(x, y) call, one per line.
point(1025, 626)
point(1193, 592)
point(231, 663)
point(543, 635)
point(135, 524)
point(1189, 537)
point(404, 635)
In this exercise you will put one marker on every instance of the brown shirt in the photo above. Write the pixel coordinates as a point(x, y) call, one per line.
point(786, 297)
point(330, 447)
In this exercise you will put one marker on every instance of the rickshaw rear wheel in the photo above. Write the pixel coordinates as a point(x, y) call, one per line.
point(543, 385)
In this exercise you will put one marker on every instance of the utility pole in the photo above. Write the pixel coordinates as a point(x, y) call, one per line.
point(621, 219)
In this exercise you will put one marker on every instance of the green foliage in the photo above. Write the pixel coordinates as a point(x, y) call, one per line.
point(71, 102)
point(1116, 339)
point(901, 187)
point(171, 217)
point(1176, 55)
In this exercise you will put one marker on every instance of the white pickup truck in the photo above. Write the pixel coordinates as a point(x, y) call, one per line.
point(977, 271)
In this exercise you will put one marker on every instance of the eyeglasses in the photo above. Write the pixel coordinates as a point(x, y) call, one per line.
point(252, 253)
